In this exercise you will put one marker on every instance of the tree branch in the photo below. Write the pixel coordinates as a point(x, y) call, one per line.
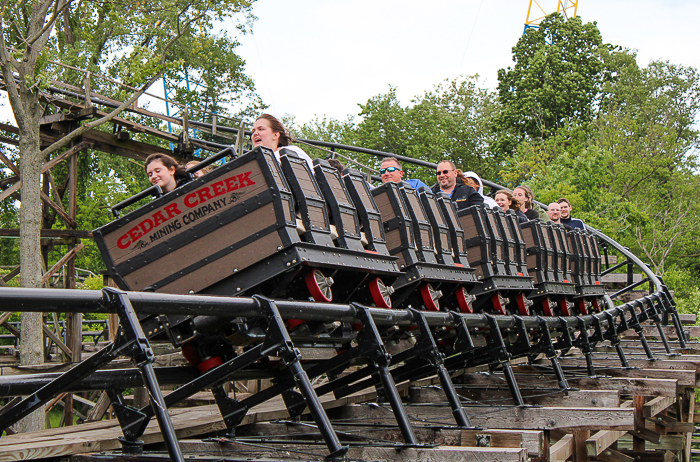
point(48, 25)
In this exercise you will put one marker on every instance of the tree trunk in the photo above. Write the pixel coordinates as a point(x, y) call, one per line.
point(32, 341)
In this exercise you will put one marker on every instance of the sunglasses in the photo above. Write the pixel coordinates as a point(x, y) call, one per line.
point(443, 172)
point(382, 171)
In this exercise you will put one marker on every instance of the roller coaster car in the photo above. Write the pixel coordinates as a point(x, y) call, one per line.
point(585, 269)
point(235, 231)
point(409, 236)
point(494, 249)
point(549, 259)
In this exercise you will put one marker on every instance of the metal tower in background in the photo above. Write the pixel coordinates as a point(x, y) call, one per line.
point(539, 9)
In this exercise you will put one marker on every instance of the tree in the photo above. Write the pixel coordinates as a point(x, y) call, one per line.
point(452, 120)
point(556, 78)
point(136, 40)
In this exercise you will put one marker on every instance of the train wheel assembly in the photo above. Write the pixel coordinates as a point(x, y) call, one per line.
point(430, 297)
point(547, 307)
point(319, 286)
point(564, 306)
point(499, 303)
point(523, 304)
point(381, 293)
point(583, 306)
point(465, 300)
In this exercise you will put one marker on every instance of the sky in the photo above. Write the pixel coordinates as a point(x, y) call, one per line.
point(316, 58)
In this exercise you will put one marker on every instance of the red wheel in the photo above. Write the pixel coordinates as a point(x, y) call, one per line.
point(189, 354)
point(582, 307)
point(210, 363)
point(499, 303)
point(523, 304)
point(564, 306)
point(293, 323)
point(464, 300)
point(547, 307)
point(381, 294)
point(595, 304)
point(319, 286)
point(430, 297)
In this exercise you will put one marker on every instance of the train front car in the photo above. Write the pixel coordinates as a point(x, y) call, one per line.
point(251, 226)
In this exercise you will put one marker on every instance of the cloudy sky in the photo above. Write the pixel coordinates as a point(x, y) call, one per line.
point(322, 57)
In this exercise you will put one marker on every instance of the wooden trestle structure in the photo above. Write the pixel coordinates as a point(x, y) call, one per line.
point(643, 413)
point(628, 397)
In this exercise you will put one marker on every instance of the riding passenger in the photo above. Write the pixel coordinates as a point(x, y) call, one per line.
point(506, 201)
point(164, 171)
point(463, 196)
point(201, 171)
point(392, 172)
point(270, 133)
point(526, 197)
point(473, 180)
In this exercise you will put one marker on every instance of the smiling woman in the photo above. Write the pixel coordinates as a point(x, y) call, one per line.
point(164, 171)
point(269, 132)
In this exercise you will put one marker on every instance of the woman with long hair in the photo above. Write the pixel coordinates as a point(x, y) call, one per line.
point(164, 171)
point(270, 133)
point(506, 201)
point(526, 197)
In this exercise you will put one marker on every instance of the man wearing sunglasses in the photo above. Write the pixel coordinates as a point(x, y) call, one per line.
point(448, 182)
point(391, 171)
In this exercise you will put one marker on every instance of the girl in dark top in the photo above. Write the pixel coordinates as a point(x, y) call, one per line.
point(506, 201)
point(531, 210)
point(164, 171)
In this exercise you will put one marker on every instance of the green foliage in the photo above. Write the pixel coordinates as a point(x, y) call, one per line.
point(92, 283)
point(451, 121)
point(557, 75)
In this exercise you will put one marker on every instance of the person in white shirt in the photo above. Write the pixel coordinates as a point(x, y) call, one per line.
point(473, 180)
point(270, 133)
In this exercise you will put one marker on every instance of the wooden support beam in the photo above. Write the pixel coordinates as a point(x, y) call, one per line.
point(11, 190)
point(72, 116)
point(9, 181)
point(680, 364)
point(59, 264)
point(673, 425)
point(685, 378)
point(562, 449)
point(59, 343)
point(100, 408)
point(531, 396)
point(638, 440)
point(657, 405)
point(4, 317)
point(65, 155)
point(59, 210)
point(599, 442)
point(668, 442)
point(8, 326)
point(9, 164)
point(625, 385)
point(510, 417)
point(610, 455)
point(688, 412)
point(580, 437)
point(50, 233)
point(651, 332)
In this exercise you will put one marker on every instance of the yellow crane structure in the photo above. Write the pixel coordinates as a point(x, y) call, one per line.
point(539, 9)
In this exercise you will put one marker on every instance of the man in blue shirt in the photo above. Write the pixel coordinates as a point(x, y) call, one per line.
point(392, 171)
point(565, 216)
